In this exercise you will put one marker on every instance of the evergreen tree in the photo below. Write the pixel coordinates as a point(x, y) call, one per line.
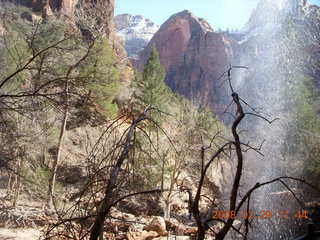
point(149, 87)
point(150, 90)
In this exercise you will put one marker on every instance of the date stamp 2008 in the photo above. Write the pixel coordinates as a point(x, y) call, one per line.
point(261, 214)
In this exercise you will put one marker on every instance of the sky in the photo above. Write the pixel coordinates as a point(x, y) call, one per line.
point(221, 14)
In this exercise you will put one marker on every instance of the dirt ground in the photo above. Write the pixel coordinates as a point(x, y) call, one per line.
point(19, 234)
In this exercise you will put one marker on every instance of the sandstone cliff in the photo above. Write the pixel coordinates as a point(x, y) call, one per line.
point(193, 56)
point(68, 6)
point(104, 9)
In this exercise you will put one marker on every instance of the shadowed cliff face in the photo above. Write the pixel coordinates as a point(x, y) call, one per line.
point(193, 56)
point(66, 6)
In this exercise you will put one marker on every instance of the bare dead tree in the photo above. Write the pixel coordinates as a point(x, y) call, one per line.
point(19, 168)
point(63, 126)
point(239, 147)
point(113, 178)
point(107, 157)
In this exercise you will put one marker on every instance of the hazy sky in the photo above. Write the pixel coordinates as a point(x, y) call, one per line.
point(220, 13)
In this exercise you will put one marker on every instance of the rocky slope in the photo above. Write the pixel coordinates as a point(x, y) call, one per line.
point(193, 56)
point(136, 31)
point(67, 8)
point(102, 10)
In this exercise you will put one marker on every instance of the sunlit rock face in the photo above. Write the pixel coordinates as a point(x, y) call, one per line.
point(136, 31)
point(67, 8)
point(193, 56)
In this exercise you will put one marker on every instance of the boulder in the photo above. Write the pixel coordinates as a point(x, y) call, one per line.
point(144, 235)
point(158, 225)
point(190, 231)
point(175, 227)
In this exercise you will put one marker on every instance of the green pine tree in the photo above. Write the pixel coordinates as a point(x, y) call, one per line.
point(149, 87)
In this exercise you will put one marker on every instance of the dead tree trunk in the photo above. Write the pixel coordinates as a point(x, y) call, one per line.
point(200, 220)
point(18, 178)
point(107, 202)
point(236, 183)
point(57, 159)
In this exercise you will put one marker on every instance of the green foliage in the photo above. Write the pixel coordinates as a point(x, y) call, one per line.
point(35, 121)
point(149, 87)
point(188, 126)
point(94, 83)
point(199, 123)
point(25, 40)
point(12, 56)
point(150, 90)
point(104, 82)
point(303, 132)
point(95, 76)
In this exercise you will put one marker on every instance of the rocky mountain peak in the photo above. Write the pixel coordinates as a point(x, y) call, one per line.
point(189, 16)
point(174, 36)
point(123, 21)
point(136, 31)
point(273, 11)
